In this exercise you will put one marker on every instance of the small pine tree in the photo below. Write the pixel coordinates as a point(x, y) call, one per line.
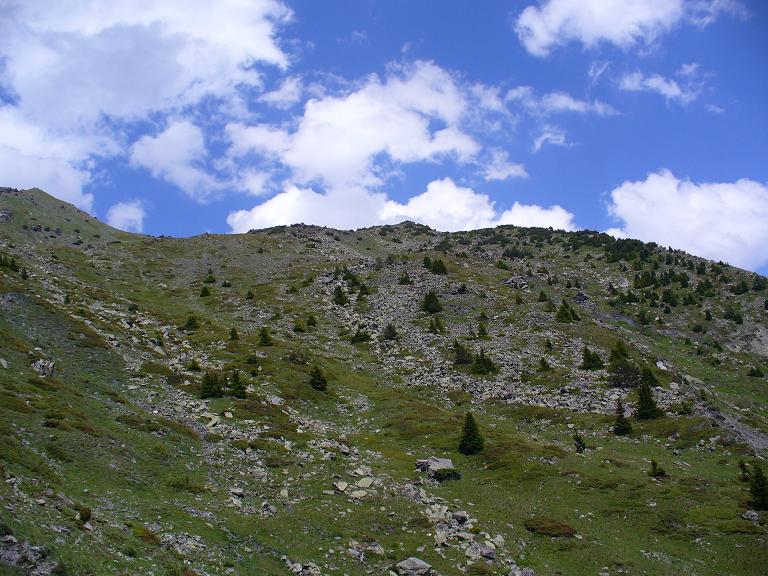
point(435, 325)
point(205, 292)
point(756, 372)
point(471, 441)
point(249, 295)
point(311, 320)
point(427, 262)
point(548, 345)
point(236, 385)
point(656, 471)
point(618, 351)
point(461, 355)
point(483, 364)
point(643, 318)
point(431, 303)
point(339, 297)
point(438, 267)
point(210, 278)
point(758, 488)
point(646, 405)
point(564, 313)
point(192, 323)
point(193, 365)
point(482, 331)
point(579, 443)
point(360, 336)
point(591, 360)
point(623, 373)
point(317, 379)
point(233, 335)
point(24, 274)
point(544, 365)
point(404, 279)
point(211, 386)
point(621, 425)
point(390, 332)
point(542, 297)
point(265, 338)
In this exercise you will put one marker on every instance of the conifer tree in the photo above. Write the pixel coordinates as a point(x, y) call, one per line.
point(591, 360)
point(483, 364)
point(438, 267)
point(431, 303)
point(542, 297)
point(544, 365)
point(236, 385)
point(205, 292)
point(233, 335)
point(265, 338)
point(317, 379)
point(192, 323)
point(210, 278)
point(360, 336)
point(427, 262)
point(404, 279)
point(435, 325)
point(249, 295)
point(211, 386)
point(311, 320)
point(390, 332)
point(339, 297)
point(461, 355)
point(656, 471)
point(621, 425)
point(579, 443)
point(646, 405)
point(758, 488)
point(471, 441)
point(564, 313)
point(482, 331)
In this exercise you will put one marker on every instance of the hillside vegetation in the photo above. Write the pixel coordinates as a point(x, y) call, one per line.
point(269, 403)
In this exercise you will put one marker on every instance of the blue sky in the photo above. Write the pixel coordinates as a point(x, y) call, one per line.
point(645, 118)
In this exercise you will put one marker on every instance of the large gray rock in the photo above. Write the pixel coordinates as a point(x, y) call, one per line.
point(432, 465)
point(413, 567)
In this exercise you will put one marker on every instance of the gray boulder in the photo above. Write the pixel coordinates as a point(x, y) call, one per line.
point(413, 567)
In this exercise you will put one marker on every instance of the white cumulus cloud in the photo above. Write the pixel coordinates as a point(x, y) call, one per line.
point(350, 140)
point(71, 68)
point(175, 155)
point(444, 206)
point(624, 23)
point(721, 221)
point(498, 167)
point(128, 216)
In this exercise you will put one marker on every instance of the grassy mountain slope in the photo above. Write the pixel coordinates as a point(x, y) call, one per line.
point(114, 464)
